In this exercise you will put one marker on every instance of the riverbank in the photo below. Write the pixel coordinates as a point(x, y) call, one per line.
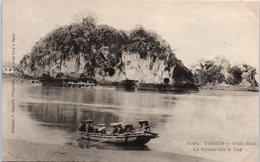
point(225, 87)
point(20, 150)
point(148, 87)
point(124, 85)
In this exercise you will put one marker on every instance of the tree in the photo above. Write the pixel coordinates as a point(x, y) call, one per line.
point(208, 72)
point(147, 43)
point(249, 73)
point(235, 76)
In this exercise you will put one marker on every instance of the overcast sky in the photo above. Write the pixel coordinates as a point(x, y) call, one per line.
point(194, 29)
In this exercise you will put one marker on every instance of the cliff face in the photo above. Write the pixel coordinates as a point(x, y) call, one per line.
point(145, 70)
point(102, 53)
point(133, 68)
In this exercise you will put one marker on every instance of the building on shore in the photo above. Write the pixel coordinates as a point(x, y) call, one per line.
point(8, 71)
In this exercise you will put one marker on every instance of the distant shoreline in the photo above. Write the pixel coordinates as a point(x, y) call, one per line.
point(164, 87)
point(225, 87)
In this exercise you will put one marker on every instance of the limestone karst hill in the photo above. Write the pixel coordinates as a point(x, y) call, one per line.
point(100, 52)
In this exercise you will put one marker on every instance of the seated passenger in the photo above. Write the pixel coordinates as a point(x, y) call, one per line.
point(82, 127)
point(89, 127)
point(120, 129)
point(115, 130)
point(129, 128)
point(144, 125)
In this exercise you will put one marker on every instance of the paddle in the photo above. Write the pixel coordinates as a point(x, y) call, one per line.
point(143, 128)
point(88, 136)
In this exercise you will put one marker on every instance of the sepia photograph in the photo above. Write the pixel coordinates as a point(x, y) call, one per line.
point(130, 81)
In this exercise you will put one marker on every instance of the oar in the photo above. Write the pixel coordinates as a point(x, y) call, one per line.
point(156, 134)
point(69, 141)
point(143, 128)
point(89, 136)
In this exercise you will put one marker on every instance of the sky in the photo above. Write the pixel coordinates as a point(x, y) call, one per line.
point(194, 30)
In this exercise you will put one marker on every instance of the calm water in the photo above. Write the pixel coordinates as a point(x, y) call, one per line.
point(52, 114)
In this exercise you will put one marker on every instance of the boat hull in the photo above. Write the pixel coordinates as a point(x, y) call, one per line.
point(130, 139)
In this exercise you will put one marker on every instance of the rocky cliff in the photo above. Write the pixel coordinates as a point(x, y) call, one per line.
point(100, 52)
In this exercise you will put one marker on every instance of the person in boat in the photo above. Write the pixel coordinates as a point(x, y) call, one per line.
point(144, 125)
point(120, 128)
point(89, 127)
point(129, 128)
point(82, 127)
point(115, 129)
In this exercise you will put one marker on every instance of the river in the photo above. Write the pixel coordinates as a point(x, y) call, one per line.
point(52, 114)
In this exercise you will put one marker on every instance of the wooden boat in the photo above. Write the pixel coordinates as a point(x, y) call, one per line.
point(135, 138)
point(36, 83)
point(140, 136)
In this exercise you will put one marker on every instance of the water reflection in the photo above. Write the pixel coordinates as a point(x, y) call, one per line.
point(65, 116)
point(78, 95)
point(68, 117)
point(59, 107)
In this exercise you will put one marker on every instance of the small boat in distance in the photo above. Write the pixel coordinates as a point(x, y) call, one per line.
point(36, 82)
point(119, 135)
